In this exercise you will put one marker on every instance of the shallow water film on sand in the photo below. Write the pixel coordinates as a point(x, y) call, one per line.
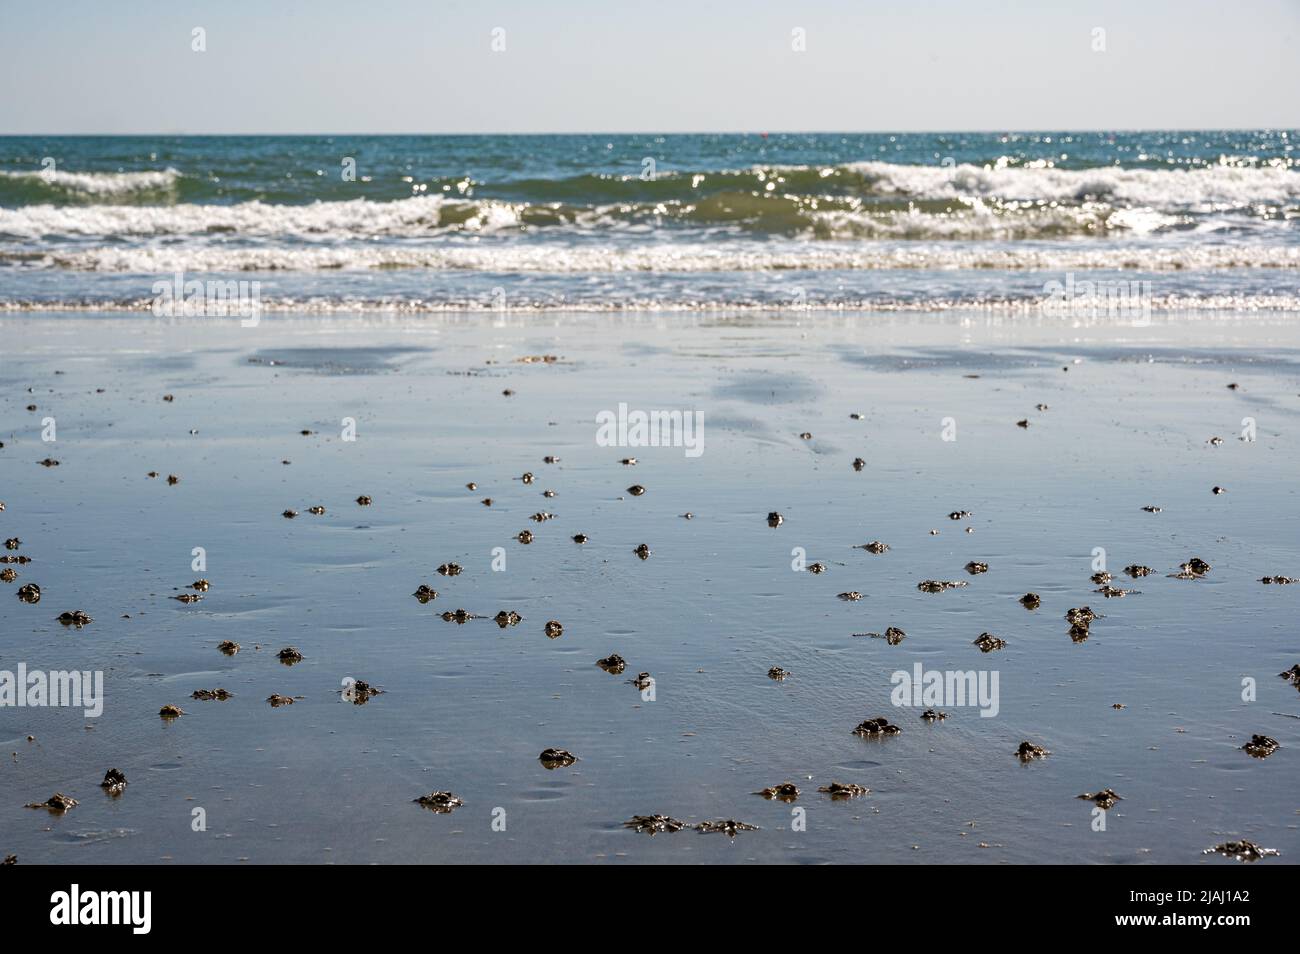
point(779, 586)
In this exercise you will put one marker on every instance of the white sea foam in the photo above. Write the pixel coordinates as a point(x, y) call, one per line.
point(353, 218)
point(985, 203)
point(717, 256)
point(1172, 306)
point(432, 216)
point(1206, 188)
point(99, 184)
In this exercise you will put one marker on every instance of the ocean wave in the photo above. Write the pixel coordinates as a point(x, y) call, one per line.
point(1212, 188)
point(47, 184)
point(1228, 185)
point(846, 200)
point(684, 257)
point(357, 217)
point(727, 212)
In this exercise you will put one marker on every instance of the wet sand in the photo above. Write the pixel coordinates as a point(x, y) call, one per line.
point(466, 708)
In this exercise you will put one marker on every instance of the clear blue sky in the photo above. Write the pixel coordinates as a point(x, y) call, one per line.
point(122, 66)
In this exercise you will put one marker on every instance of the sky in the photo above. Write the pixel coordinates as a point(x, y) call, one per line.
point(399, 66)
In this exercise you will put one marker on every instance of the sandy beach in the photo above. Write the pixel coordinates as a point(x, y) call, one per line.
point(254, 423)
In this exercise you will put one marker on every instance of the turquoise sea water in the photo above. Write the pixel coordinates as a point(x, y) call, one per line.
point(1209, 218)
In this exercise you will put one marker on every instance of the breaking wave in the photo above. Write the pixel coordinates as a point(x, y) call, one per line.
point(53, 184)
point(559, 227)
point(859, 200)
point(678, 257)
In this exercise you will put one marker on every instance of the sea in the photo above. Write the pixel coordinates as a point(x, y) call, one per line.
point(857, 327)
point(1204, 220)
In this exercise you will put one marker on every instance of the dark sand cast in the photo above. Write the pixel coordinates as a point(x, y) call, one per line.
point(467, 708)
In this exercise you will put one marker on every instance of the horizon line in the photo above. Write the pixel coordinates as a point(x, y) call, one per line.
point(696, 132)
